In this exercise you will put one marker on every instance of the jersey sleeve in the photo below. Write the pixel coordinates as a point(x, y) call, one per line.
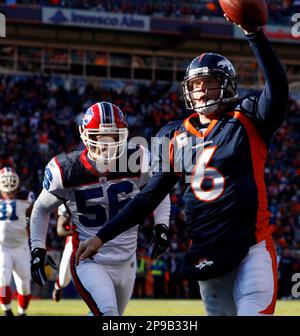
point(40, 216)
point(163, 211)
point(145, 167)
point(267, 108)
point(53, 182)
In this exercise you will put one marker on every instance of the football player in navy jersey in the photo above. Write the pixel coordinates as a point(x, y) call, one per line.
point(95, 184)
point(15, 209)
point(219, 152)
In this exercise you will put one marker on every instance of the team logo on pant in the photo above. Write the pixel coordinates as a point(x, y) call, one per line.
point(203, 263)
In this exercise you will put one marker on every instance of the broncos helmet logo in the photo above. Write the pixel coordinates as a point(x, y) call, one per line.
point(226, 66)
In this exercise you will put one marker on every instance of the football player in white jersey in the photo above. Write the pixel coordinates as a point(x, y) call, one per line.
point(15, 208)
point(96, 184)
point(64, 276)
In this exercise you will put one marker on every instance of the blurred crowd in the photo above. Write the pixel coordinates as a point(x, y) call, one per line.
point(279, 10)
point(39, 119)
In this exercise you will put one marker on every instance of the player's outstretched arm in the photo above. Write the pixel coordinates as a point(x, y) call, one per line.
point(135, 212)
point(88, 249)
point(140, 207)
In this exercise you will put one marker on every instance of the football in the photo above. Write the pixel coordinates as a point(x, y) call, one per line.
point(247, 13)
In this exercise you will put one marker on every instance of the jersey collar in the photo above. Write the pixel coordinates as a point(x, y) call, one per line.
point(191, 129)
point(87, 165)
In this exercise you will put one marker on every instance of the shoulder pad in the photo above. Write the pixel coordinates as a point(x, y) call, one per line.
point(72, 170)
point(53, 179)
point(247, 104)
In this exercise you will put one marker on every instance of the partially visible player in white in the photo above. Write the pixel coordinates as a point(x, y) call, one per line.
point(96, 184)
point(15, 208)
point(64, 230)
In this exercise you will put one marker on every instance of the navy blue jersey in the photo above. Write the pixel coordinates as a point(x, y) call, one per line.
point(223, 171)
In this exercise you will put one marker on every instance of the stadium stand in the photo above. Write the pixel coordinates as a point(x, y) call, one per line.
point(279, 10)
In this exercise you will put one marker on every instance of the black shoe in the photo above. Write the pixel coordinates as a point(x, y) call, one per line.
point(57, 294)
point(22, 314)
point(9, 313)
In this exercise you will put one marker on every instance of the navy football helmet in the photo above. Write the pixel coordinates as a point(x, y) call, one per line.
point(220, 68)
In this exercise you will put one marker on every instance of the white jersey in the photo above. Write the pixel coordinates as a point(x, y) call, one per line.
point(94, 198)
point(13, 226)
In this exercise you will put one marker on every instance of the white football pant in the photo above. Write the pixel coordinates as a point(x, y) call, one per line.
point(64, 275)
point(249, 290)
point(106, 289)
point(15, 261)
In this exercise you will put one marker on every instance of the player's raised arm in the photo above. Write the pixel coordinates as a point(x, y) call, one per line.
point(272, 103)
point(270, 107)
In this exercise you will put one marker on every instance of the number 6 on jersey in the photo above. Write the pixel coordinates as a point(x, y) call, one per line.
point(203, 172)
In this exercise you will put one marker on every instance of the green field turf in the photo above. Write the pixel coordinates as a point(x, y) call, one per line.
point(142, 308)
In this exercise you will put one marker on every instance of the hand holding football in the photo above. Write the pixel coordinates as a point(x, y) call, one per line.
point(249, 14)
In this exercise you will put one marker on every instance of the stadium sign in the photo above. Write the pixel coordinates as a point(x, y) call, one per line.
point(94, 19)
point(275, 33)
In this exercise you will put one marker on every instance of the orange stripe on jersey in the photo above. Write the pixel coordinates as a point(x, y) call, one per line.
point(270, 246)
point(191, 129)
point(258, 155)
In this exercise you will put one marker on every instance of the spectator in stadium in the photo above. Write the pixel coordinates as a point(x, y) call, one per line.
point(279, 10)
point(158, 271)
point(141, 275)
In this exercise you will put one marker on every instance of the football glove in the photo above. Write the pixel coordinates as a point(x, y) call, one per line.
point(39, 259)
point(161, 240)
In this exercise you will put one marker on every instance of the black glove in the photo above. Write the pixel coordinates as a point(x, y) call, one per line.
point(161, 240)
point(39, 259)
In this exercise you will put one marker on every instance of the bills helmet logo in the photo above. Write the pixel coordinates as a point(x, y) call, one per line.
point(87, 117)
